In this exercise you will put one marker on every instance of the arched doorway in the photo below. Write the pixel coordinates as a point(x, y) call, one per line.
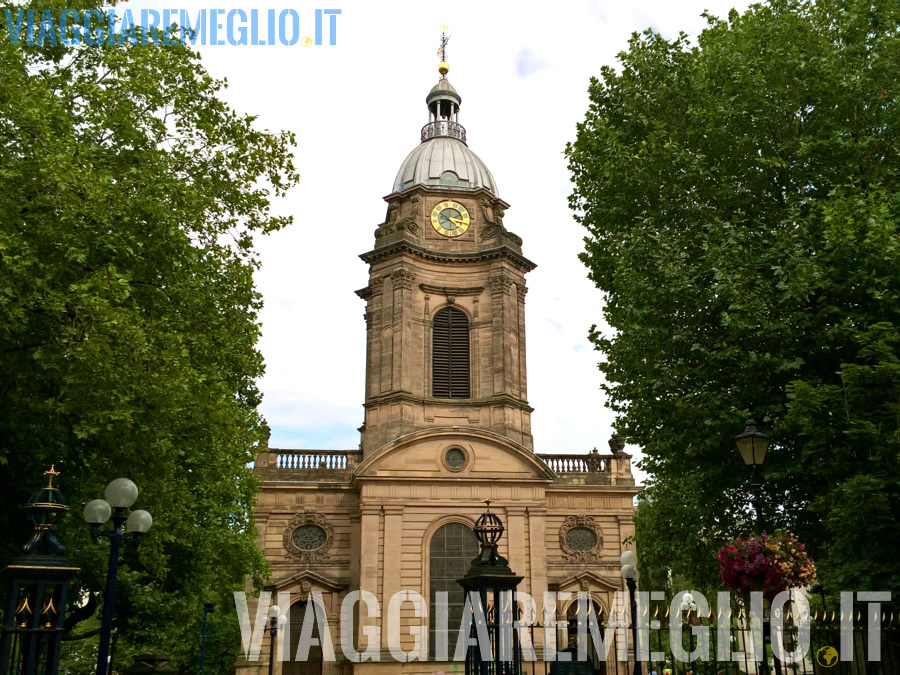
point(313, 663)
point(577, 624)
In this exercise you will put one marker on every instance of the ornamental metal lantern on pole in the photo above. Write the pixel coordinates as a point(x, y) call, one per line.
point(37, 583)
point(490, 587)
point(753, 446)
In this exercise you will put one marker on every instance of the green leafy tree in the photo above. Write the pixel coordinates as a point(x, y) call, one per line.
point(741, 198)
point(130, 194)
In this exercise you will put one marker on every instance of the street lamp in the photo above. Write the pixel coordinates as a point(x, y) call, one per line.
point(120, 495)
point(753, 446)
point(208, 608)
point(490, 583)
point(629, 572)
point(688, 605)
point(276, 623)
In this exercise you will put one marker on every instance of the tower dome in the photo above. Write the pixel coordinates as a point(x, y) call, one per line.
point(443, 158)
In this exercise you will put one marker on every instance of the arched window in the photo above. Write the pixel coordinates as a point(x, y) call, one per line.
point(450, 354)
point(453, 547)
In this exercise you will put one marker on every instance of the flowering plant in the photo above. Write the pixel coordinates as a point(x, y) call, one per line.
point(767, 563)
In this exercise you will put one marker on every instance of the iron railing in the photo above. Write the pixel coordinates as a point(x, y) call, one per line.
point(825, 631)
point(444, 128)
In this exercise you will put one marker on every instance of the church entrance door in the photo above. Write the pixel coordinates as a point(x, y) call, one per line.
point(313, 663)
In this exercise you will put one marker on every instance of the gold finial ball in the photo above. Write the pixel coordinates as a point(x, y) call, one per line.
point(443, 67)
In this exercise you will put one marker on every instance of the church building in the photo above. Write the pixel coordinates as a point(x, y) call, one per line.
point(447, 426)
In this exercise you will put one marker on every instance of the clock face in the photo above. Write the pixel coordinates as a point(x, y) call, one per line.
point(450, 219)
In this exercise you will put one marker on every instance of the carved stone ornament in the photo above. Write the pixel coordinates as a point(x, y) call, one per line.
point(301, 535)
point(388, 225)
point(501, 283)
point(486, 211)
point(305, 588)
point(403, 277)
point(410, 221)
point(391, 223)
point(580, 539)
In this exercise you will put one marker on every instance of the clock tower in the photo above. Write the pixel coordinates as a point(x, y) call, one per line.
point(445, 303)
point(447, 425)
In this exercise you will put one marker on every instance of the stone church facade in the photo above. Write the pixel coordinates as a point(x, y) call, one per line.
point(447, 425)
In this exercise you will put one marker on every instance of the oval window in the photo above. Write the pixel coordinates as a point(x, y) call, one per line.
point(581, 539)
point(309, 537)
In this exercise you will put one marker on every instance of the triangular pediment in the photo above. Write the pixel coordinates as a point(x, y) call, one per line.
point(587, 580)
point(315, 581)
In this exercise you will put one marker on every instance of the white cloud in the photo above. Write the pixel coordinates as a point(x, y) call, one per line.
point(528, 63)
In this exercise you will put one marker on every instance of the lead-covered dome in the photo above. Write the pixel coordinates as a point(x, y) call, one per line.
point(444, 162)
point(443, 159)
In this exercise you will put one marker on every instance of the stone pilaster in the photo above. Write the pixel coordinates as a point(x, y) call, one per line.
point(515, 530)
point(537, 550)
point(500, 285)
point(386, 337)
point(370, 523)
point(393, 535)
point(521, 291)
point(403, 277)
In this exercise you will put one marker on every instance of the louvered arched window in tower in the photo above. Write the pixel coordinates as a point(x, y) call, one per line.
point(450, 354)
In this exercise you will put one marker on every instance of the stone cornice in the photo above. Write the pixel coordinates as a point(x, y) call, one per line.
point(431, 289)
point(519, 261)
point(608, 490)
point(406, 397)
point(444, 193)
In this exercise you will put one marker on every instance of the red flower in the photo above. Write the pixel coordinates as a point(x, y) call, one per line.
point(770, 562)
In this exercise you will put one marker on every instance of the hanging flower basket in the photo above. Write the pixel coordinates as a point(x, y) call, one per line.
point(767, 563)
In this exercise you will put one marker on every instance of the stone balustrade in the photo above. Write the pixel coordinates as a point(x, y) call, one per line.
point(316, 459)
point(577, 463)
point(307, 464)
point(589, 468)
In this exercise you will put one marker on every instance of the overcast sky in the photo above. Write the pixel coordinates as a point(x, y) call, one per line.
point(522, 70)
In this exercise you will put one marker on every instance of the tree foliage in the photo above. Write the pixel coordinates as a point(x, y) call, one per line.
point(130, 194)
point(741, 197)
